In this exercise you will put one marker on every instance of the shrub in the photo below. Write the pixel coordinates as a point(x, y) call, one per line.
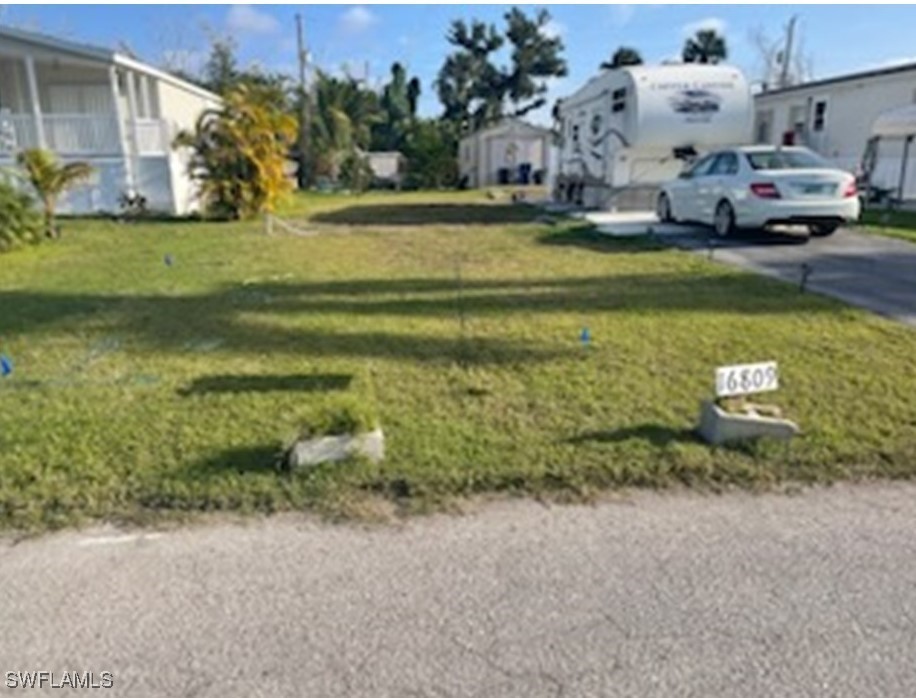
point(239, 153)
point(19, 221)
point(355, 172)
point(50, 179)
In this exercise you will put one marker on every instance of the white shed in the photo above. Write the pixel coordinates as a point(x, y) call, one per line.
point(836, 118)
point(510, 152)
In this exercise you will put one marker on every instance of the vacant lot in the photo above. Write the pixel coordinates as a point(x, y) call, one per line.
point(142, 386)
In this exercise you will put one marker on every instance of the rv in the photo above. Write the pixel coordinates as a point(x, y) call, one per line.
point(632, 128)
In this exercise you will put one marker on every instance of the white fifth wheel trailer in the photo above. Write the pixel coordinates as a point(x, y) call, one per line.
point(633, 127)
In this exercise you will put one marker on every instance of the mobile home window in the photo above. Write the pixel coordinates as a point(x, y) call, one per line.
point(619, 100)
point(820, 113)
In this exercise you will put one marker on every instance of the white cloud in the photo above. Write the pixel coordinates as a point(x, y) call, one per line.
point(554, 29)
point(357, 19)
point(245, 18)
point(623, 14)
point(717, 24)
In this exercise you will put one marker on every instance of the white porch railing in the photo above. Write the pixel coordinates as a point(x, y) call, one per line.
point(82, 134)
point(153, 136)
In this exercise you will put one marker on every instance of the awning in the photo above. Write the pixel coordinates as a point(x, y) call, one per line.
point(896, 123)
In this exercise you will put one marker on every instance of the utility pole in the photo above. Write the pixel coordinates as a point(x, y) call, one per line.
point(305, 107)
point(787, 53)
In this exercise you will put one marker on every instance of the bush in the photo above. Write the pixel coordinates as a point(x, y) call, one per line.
point(239, 153)
point(355, 172)
point(343, 416)
point(19, 221)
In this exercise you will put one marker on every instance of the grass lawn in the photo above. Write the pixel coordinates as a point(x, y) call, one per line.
point(142, 388)
point(895, 224)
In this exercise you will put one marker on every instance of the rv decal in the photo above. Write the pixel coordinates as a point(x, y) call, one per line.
point(695, 102)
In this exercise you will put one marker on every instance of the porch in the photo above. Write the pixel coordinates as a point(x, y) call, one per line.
point(77, 108)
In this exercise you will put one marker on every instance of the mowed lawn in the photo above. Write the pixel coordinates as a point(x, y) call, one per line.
point(142, 388)
point(895, 224)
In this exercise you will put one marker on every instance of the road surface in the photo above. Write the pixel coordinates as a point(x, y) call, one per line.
point(661, 595)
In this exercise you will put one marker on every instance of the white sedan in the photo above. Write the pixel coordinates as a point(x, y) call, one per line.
point(759, 186)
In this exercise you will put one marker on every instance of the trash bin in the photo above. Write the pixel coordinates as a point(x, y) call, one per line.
point(524, 173)
point(502, 176)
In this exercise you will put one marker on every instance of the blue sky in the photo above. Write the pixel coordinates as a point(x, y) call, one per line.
point(838, 38)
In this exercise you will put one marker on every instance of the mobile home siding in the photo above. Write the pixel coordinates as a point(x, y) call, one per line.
point(842, 131)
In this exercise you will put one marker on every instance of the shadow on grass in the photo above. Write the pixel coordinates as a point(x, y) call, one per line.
point(586, 237)
point(172, 322)
point(242, 460)
point(266, 384)
point(428, 214)
point(656, 434)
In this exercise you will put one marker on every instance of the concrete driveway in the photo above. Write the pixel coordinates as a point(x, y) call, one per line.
point(869, 271)
point(661, 595)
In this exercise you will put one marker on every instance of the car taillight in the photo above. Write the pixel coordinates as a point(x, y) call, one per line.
point(765, 190)
point(850, 190)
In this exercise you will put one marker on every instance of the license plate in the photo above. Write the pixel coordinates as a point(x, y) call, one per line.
point(816, 188)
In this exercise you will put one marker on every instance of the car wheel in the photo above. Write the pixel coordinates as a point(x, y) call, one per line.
point(724, 221)
point(663, 208)
point(822, 230)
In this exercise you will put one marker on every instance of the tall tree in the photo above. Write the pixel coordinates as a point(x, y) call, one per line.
point(623, 56)
point(399, 106)
point(536, 56)
point(343, 117)
point(469, 86)
point(474, 91)
point(705, 47)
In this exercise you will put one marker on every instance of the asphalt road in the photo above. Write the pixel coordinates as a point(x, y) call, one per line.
point(671, 595)
point(869, 271)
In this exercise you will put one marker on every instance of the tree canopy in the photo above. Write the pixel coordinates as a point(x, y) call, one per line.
point(474, 91)
point(706, 46)
point(623, 56)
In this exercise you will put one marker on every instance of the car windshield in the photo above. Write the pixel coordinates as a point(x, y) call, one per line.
point(786, 160)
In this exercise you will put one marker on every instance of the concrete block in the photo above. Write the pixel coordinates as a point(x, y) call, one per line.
point(329, 449)
point(718, 426)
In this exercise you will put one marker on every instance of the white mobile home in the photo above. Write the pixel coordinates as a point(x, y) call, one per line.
point(837, 116)
point(632, 126)
point(92, 104)
point(511, 152)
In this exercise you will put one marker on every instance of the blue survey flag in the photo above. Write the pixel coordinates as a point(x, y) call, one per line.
point(585, 337)
point(6, 366)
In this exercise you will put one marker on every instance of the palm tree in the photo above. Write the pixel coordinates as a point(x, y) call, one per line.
point(50, 179)
point(343, 119)
point(622, 57)
point(705, 47)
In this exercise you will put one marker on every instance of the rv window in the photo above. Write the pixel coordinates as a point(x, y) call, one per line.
point(575, 133)
point(619, 99)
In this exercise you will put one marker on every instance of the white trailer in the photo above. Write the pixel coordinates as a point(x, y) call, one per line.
point(633, 127)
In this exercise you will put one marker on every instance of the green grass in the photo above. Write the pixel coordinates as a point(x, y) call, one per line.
point(142, 390)
point(895, 224)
